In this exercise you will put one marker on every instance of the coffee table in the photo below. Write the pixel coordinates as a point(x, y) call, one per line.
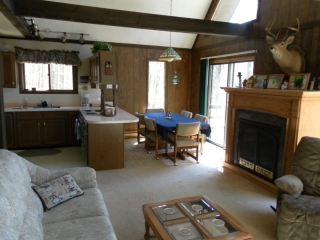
point(191, 218)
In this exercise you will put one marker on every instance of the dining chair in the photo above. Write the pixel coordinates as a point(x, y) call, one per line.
point(141, 126)
point(186, 114)
point(152, 136)
point(201, 118)
point(180, 140)
point(151, 110)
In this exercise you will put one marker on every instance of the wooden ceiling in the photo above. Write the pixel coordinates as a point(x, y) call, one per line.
point(15, 10)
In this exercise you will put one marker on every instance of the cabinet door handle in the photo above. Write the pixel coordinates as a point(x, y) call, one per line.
point(12, 83)
point(38, 123)
point(44, 124)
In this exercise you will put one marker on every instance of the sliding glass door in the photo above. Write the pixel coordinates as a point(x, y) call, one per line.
point(223, 75)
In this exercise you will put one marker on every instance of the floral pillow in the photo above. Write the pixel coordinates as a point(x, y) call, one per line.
point(57, 191)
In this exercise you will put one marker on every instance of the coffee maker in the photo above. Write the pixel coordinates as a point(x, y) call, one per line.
point(85, 99)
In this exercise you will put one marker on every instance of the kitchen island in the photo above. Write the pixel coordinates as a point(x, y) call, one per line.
point(102, 138)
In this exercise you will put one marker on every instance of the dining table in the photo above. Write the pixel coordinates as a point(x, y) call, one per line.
point(167, 124)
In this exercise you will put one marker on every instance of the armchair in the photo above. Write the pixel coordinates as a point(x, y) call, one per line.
point(298, 203)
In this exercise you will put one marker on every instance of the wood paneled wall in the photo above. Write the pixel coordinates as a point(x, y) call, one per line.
point(285, 13)
point(132, 80)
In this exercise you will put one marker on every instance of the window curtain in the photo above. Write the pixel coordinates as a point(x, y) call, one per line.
point(203, 89)
point(46, 57)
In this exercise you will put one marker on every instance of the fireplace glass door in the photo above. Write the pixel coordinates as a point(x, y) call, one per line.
point(258, 148)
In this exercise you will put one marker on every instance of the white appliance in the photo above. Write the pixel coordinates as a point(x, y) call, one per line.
point(85, 99)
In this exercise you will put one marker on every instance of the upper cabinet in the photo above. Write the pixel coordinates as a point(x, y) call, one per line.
point(8, 69)
point(103, 67)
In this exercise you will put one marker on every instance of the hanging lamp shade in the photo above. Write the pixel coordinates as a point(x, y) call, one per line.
point(169, 55)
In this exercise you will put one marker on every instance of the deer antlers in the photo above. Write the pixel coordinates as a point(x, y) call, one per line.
point(275, 37)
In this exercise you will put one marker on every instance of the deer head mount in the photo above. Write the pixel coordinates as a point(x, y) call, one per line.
point(290, 59)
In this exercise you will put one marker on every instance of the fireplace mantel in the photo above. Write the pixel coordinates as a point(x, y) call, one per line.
point(300, 108)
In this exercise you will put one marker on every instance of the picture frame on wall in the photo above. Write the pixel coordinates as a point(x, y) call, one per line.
point(275, 81)
point(258, 82)
point(298, 81)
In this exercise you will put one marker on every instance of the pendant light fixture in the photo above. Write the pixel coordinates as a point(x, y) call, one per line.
point(175, 79)
point(169, 54)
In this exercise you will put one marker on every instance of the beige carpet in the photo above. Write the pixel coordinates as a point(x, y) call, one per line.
point(145, 180)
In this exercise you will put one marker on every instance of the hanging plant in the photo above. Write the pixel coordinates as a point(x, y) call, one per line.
point(98, 46)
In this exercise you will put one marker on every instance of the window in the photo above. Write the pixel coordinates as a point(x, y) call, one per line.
point(223, 75)
point(156, 84)
point(236, 11)
point(48, 78)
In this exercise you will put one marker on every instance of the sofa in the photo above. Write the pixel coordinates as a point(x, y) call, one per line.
point(298, 202)
point(22, 214)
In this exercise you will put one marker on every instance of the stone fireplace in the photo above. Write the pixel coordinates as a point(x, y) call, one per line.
point(285, 116)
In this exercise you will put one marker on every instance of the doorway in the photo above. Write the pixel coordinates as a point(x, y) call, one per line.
point(223, 75)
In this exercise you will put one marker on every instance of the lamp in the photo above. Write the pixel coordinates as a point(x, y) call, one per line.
point(175, 79)
point(33, 28)
point(64, 38)
point(40, 36)
point(81, 39)
point(169, 54)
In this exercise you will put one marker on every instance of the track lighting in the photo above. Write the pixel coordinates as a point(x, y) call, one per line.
point(33, 28)
point(81, 39)
point(40, 36)
point(64, 38)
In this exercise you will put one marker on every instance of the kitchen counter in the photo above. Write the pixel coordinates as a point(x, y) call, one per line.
point(120, 117)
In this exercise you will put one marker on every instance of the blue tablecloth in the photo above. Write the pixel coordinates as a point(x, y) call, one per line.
point(166, 125)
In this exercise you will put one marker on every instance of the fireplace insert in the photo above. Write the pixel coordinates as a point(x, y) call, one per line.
point(258, 148)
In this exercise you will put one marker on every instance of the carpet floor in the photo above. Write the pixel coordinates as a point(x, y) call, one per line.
point(146, 180)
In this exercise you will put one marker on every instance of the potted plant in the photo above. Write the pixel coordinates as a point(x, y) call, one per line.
point(98, 46)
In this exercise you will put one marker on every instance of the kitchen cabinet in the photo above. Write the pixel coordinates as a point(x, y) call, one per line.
point(28, 126)
point(8, 69)
point(54, 127)
point(9, 130)
point(103, 67)
point(41, 129)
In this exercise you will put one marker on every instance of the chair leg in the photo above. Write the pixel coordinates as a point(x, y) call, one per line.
point(202, 143)
point(156, 151)
point(175, 156)
point(197, 155)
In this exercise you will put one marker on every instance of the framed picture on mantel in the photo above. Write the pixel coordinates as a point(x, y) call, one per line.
point(258, 82)
point(298, 81)
point(275, 81)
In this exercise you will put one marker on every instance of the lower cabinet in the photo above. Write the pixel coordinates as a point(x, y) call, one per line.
point(41, 129)
point(9, 130)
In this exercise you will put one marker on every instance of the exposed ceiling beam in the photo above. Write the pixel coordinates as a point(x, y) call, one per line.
point(212, 8)
point(111, 17)
point(6, 7)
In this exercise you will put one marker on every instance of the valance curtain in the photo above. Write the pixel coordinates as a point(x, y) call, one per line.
point(203, 88)
point(46, 57)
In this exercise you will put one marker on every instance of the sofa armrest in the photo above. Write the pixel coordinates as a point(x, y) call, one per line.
point(85, 177)
point(290, 184)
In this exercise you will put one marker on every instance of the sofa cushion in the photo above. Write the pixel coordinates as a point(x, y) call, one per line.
point(91, 204)
point(57, 191)
point(14, 189)
point(81, 229)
